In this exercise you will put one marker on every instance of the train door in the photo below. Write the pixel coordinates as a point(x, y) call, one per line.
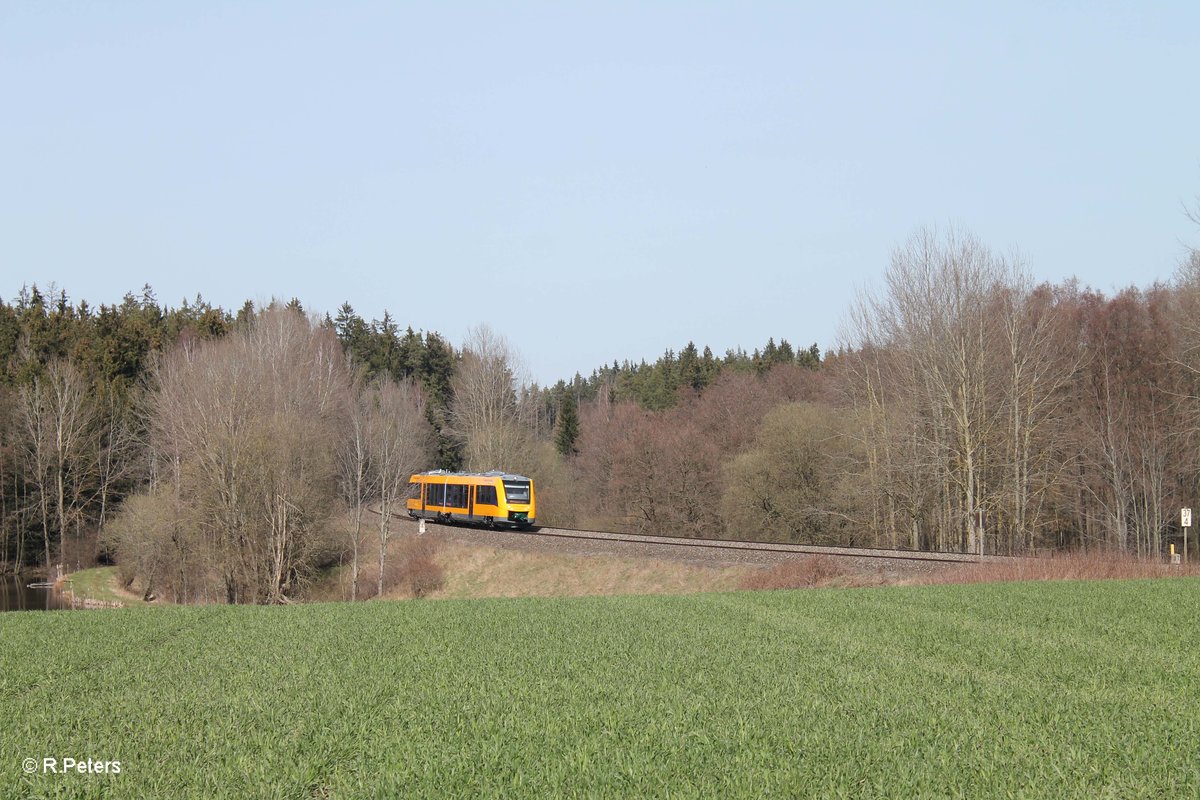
point(470, 501)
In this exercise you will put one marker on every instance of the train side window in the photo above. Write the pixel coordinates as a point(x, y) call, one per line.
point(485, 495)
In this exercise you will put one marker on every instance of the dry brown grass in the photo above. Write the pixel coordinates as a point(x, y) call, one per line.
point(497, 572)
point(823, 571)
point(415, 569)
point(1063, 566)
point(421, 566)
point(803, 573)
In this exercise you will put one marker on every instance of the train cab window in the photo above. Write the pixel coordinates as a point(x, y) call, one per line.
point(485, 495)
point(414, 491)
point(516, 491)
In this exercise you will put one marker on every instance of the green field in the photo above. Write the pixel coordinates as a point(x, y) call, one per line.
point(1040, 690)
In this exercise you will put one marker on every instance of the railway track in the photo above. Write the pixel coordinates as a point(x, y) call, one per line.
point(765, 547)
point(748, 547)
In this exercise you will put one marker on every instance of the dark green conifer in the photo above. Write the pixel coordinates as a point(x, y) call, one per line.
point(690, 372)
point(567, 429)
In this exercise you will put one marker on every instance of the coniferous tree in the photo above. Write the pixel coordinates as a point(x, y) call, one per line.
point(437, 371)
point(690, 372)
point(567, 430)
point(709, 366)
point(245, 315)
point(385, 356)
point(411, 349)
point(355, 336)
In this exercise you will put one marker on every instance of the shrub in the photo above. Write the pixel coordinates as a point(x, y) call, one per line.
point(800, 573)
point(1096, 565)
point(416, 568)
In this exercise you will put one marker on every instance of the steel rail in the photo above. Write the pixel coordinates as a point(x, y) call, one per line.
point(767, 547)
point(746, 546)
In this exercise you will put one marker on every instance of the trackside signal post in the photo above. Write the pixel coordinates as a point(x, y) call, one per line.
point(1185, 519)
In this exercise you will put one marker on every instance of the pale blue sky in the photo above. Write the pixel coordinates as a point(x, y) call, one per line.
point(595, 181)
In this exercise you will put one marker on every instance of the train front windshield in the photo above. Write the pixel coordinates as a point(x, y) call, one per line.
point(517, 491)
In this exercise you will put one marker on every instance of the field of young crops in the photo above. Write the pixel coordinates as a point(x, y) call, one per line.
point(1047, 690)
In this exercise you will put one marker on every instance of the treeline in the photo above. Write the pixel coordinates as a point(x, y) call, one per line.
point(228, 456)
point(82, 394)
point(255, 444)
point(656, 386)
point(216, 455)
point(71, 430)
point(970, 409)
point(994, 411)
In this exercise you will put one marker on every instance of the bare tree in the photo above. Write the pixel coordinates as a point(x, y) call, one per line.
point(307, 378)
point(357, 482)
point(9, 555)
point(487, 415)
point(1137, 416)
point(117, 450)
point(58, 414)
point(243, 433)
point(202, 436)
point(1042, 359)
point(940, 337)
point(789, 485)
point(398, 443)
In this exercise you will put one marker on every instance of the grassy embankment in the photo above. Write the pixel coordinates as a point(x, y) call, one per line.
point(99, 586)
point(495, 572)
point(477, 571)
point(1052, 689)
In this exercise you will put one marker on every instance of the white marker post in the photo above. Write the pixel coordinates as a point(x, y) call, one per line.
point(1185, 519)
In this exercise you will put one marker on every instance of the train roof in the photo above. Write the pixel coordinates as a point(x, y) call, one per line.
point(508, 476)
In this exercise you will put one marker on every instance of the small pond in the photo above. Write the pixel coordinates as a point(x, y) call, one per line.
point(16, 595)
